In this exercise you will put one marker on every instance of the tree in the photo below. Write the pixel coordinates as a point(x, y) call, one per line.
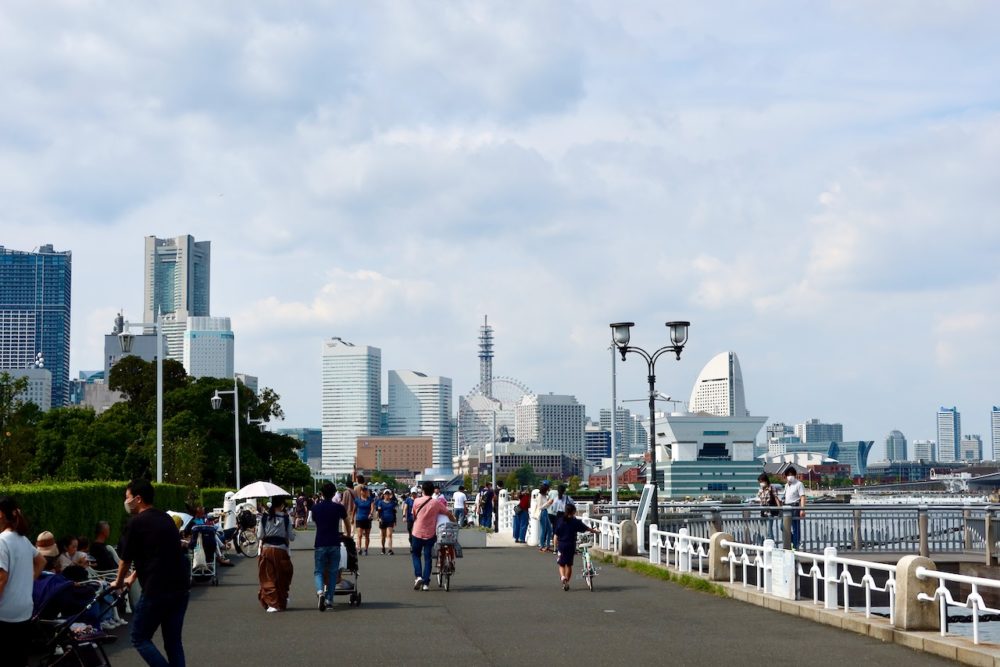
point(526, 476)
point(292, 472)
point(511, 482)
point(574, 484)
point(467, 482)
point(183, 458)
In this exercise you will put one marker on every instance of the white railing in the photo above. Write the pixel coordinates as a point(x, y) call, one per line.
point(828, 571)
point(505, 516)
point(739, 554)
point(684, 546)
point(610, 536)
point(944, 598)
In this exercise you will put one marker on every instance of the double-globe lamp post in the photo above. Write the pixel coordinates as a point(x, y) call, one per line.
point(216, 404)
point(621, 334)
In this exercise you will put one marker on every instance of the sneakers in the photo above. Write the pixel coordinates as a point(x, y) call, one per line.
point(425, 587)
point(417, 583)
point(272, 610)
point(321, 600)
point(383, 551)
point(391, 552)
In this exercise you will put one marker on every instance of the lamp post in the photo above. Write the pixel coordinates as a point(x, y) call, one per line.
point(125, 339)
point(621, 335)
point(216, 404)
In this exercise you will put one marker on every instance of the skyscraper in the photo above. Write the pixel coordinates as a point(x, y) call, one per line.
point(923, 450)
point(815, 431)
point(895, 446)
point(971, 448)
point(626, 426)
point(995, 430)
point(949, 430)
point(352, 393)
point(719, 388)
point(209, 347)
point(553, 421)
point(177, 281)
point(35, 313)
point(420, 405)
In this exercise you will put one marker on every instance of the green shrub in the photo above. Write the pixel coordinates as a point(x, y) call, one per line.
point(74, 508)
point(213, 497)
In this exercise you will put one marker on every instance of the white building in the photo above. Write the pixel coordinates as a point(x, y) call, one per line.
point(554, 421)
point(352, 393)
point(995, 430)
point(39, 389)
point(420, 405)
point(949, 430)
point(719, 388)
point(924, 450)
point(972, 448)
point(209, 346)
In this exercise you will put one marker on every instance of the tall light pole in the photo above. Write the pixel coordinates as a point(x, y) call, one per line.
point(125, 339)
point(493, 470)
point(621, 335)
point(216, 404)
point(614, 431)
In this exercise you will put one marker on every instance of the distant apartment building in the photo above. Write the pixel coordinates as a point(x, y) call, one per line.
point(411, 454)
point(176, 286)
point(971, 448)
point(352, 393)
point(895, 446)
point(949, 434)
point(39, 390)
point(995, 430)
point(597, 443)
point(91, 390)
point(420, 405)
point(251, 382)
point(815, 431)
point(35, 299)
point(632, 437)
point(209, 347)
point(311, 451)
point(924, 450)
point(553, 421)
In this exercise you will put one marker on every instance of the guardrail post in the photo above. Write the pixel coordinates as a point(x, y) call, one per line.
point(630, 538)
point(716, 520)
point(786, 527)
point(683, 551)
point(911, 613)
point(605, 533)
point(718, 570)
point(925, 548)
point(966, 533)
point(768, 552)
point(830, 578)
point(990, 536)
point(857, 530)
point(654, 544)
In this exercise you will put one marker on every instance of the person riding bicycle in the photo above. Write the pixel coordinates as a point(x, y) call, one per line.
point(566, 531)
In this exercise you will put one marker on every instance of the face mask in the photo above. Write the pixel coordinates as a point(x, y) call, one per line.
point(128, 507)
point(790, 479)
point(762, 485)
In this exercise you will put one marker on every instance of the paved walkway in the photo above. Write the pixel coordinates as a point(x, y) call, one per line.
point(506, 607)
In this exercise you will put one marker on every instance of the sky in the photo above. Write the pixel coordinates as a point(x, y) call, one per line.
point(814, 186)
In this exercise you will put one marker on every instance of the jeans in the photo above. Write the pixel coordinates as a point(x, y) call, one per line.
point(486, 518)
point(166, 612)
point(796, 531)
point(460, 517)
point(544, 529)
point(327, 565)
point(520, 526)
point(421, 547)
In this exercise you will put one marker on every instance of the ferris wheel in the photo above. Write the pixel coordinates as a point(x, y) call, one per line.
point(477, 409)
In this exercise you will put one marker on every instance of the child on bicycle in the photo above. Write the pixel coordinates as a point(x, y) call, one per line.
point(566, 531)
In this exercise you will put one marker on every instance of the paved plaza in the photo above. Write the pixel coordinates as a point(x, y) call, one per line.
point(506, 607)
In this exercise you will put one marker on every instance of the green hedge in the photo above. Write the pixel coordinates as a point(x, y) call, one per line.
point(74, 508)
point(213, 497)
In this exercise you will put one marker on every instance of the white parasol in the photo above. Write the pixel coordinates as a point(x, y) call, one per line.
point(185, 518)
point(260, 490)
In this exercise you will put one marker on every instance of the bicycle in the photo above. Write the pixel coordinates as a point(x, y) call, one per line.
point(587, 569)
point(246, 543)
point(447, 534)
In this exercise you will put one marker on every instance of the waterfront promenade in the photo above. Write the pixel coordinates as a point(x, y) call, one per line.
point(505, 608)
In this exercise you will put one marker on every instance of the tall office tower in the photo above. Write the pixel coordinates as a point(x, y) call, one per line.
point(597, 443)
point(995, 430)
point(641, 434)
point(486, 358)
point(420, 405)
point(924, 450)
point(352, 401)
point(817, 432)
point(35, 313)
point(895, 446)
point(949, 430)
point(971, 448)
point(553, 421)
point(719, 388)
point(625, 424)
point(177, 280)
point(209, 347)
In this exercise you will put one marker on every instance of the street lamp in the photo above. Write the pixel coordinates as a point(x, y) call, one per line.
point(621, 334)
point(125, 340)
point(216, 401)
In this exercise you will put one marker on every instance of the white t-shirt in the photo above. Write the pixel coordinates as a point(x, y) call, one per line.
point(460, 499)
point(794, 492)
point(17, 558)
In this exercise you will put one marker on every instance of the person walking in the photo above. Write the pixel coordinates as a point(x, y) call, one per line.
point(425, 515)
point(153, 544)
point(363, 503)
point(566, 530)
point(486, 506)
point(385, 508)
point(326, 516)
point(460, 499)
point(274, 563)
point(408, 502)
point(795, 494)
point(20, 565)
point(521, 511)
point(544, 525)
point(768, 499)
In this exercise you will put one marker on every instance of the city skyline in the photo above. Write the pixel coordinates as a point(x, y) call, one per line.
point(558, 168)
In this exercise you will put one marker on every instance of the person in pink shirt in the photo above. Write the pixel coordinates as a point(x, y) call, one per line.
point(426, 511)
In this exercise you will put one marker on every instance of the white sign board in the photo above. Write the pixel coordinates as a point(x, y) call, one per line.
point(783, 578)
point(642, 513)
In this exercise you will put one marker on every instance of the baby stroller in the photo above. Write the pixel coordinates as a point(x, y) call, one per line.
point(70, 640)
point(350, 568)
point(204, 543)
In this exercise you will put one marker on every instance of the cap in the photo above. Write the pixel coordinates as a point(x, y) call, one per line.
point(46, 544)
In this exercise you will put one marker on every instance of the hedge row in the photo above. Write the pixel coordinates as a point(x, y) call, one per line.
point(74, 508)
point(213, 497)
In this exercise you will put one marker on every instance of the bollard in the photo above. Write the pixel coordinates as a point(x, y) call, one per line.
point(857, 530)
point(925, 549)
point(630, 538)
point(911, 613)
point(990, 535)
point(716, 520)
point(768, 552)
point(655, 555)
point(718, 570)
point(683, 551)
point(829, 578)
point(786, 527)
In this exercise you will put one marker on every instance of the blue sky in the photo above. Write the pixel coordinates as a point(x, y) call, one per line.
point(812, 185)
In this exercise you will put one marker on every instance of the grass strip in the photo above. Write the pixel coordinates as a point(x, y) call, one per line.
point(681, 579)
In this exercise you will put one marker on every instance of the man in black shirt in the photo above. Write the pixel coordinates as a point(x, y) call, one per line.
point(154, 545)
point(104, 559)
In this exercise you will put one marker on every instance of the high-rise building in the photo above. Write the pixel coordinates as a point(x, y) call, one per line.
point(39, 389)
point(949, 431)
point(971, 448)
point(625, 424)
point(311, 451)
point(251, 382)
point(815, 431)
point(553, 421)
point(895, 446)
point(420, 405)
point(35, 313)
point(924, 450)
point(209, 347)
point(719, 388)
point(995, 430)
point(597, 443)
point(352, 393)
point(177, 282)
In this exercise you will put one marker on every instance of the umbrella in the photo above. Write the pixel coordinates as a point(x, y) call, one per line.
point(185, 518)
point(260, 490)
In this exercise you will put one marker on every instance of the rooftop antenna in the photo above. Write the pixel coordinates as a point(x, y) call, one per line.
point(486, 358)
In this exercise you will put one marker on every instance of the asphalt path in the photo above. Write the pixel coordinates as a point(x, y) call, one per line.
point(505, 607)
